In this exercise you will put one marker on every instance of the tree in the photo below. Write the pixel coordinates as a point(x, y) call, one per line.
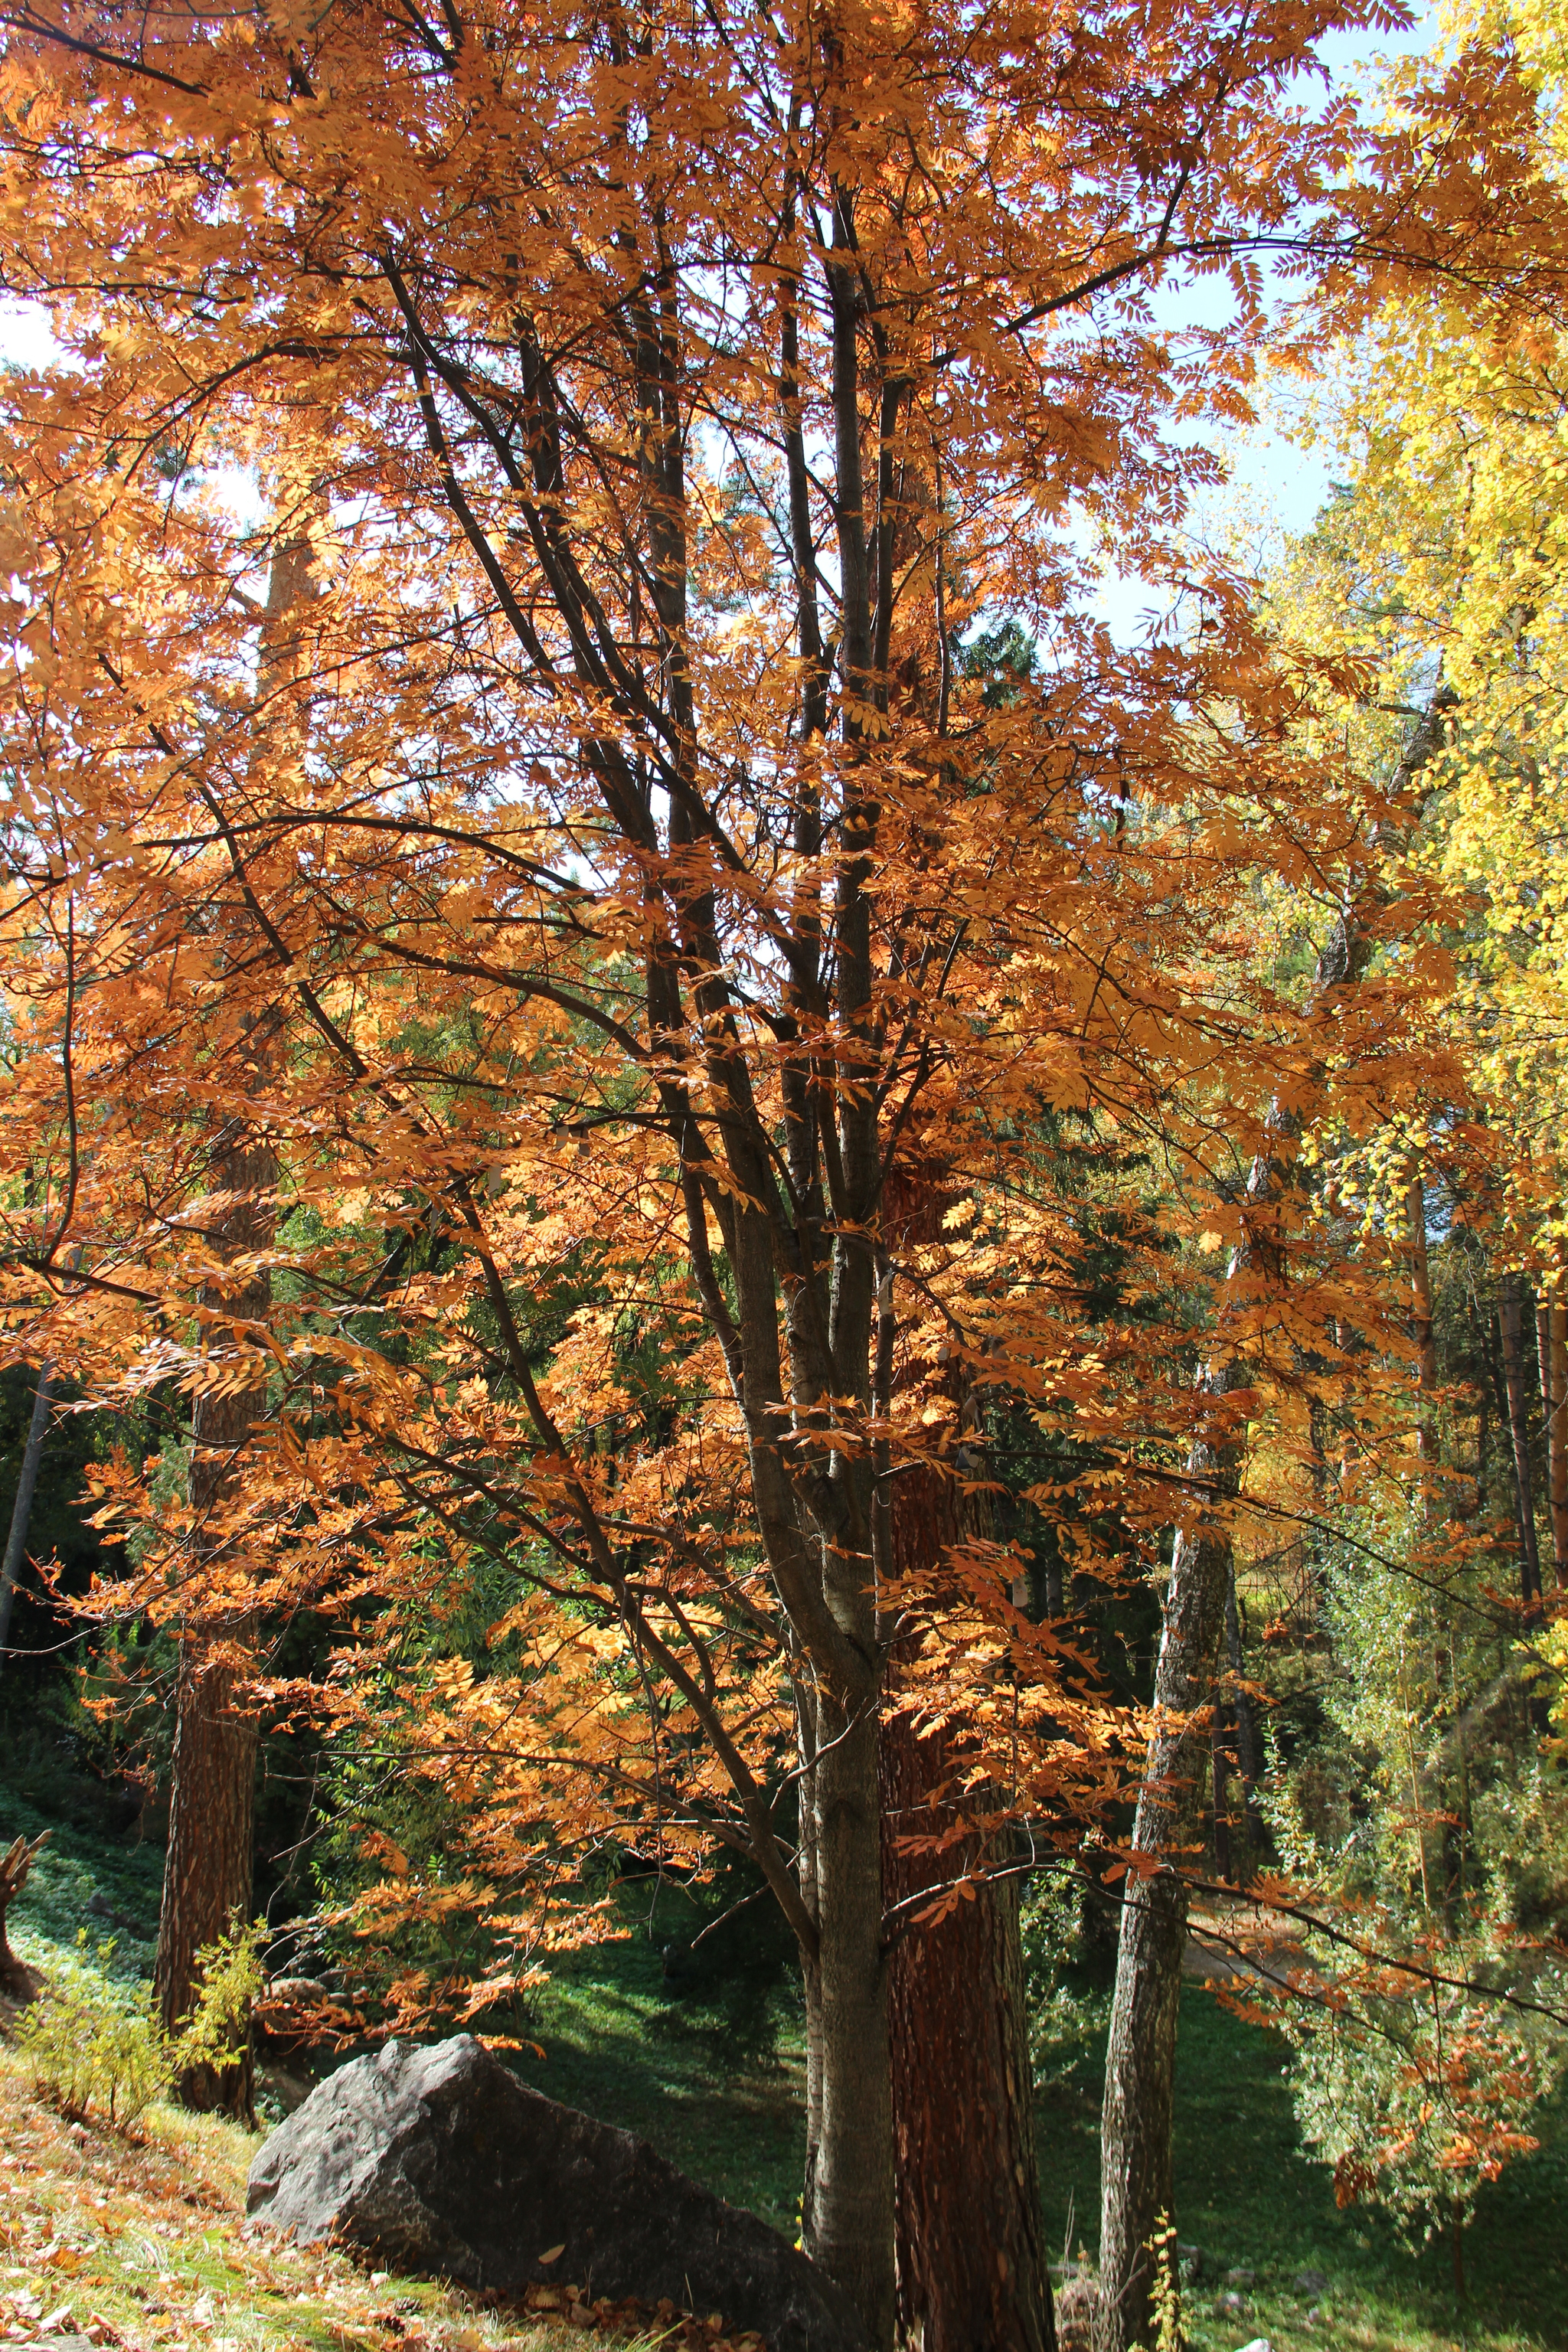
point(207, 1874)
point(683, 387)
point(1137, 2189)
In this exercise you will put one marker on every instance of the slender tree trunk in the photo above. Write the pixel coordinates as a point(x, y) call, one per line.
point(1551, 1347)
point(1509, 1323)
point(973, 2273)
point(1141, 2055)
point(22, 1508)
point(1136, 2177)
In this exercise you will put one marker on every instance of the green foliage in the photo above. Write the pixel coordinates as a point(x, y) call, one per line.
point(96, 2045)
point(1069, 1936)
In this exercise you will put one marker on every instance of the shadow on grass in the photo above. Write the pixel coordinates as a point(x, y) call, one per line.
point(619, 2046)
point(1251, 2199)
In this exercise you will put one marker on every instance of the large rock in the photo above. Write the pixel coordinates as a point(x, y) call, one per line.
point(438, 2161)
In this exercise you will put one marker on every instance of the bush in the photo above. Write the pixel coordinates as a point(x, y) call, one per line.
point(97, 2044)
point(94, 2044)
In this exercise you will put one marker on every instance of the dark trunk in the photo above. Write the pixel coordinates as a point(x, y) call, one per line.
point(973, 2275)
point(207, 1873)
point(1509, 1323)
point(22, 1508)
point(848, 2206)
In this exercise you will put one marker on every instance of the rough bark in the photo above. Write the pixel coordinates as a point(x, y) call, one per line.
point(1551, 1344)
point(849, 2210)
point(22, 1508)
point(207, 1874)
point(1511, 1325)
point(973, 2273)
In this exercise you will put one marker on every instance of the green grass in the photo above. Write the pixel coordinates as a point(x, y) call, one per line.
point(1247, 2194)
point(715, 2081)
point(76, 1865)
point(717, 2084)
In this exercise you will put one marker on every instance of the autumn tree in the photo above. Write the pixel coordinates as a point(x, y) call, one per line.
point(679, 390)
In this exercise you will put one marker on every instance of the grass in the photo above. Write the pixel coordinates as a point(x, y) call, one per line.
point(715, 2081)
point(717, 2084)
point(1251, 2199)
point(73, 1868)
point(143, 2244)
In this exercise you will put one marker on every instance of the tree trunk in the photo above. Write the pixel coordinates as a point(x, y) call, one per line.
point(1141, 2055)
point(1509, 1322)
point(849, 2203)
point(208, 1871)
point(1140, 2058)
point(973, 2273)
point(22, 1508)
point(207, 1874)
point(1551, 1344)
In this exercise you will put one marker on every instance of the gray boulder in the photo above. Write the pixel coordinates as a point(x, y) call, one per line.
point(437, 2162)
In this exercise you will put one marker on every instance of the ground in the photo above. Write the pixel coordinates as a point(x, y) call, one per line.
point(151, 2238)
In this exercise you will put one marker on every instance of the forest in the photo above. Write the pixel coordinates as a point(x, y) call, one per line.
point(784, 1199)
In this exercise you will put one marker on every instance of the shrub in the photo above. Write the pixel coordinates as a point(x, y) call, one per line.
point(97, 2044)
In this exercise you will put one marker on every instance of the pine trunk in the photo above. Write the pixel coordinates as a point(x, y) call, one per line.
point(207, 1873)
point(972, 2268)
